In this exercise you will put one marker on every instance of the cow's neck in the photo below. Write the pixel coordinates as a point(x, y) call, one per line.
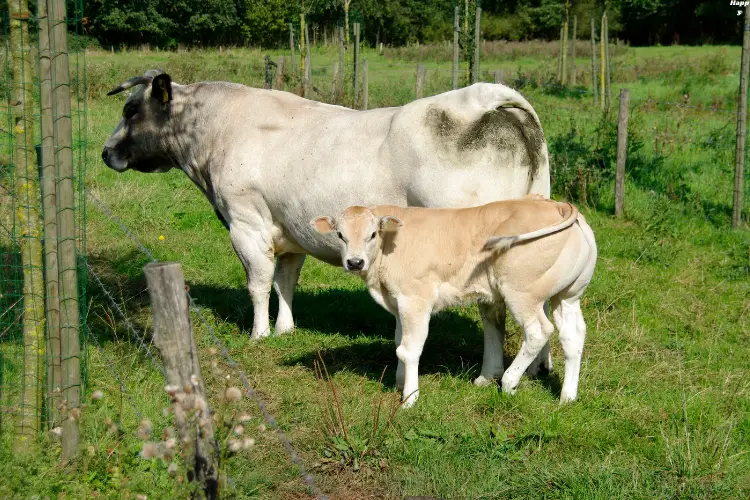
point(197, 124)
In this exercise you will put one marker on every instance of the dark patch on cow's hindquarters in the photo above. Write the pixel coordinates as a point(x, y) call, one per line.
point(441, 123)
point(503, 129)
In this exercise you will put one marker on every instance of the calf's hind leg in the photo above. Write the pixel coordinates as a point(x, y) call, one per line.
point(569, 320)
point(537, 331)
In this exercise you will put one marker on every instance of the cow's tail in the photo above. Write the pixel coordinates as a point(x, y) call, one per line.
point(501, 243)
point(539, 181)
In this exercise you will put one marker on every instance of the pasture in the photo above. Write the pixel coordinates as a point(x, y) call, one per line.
point(664, 399)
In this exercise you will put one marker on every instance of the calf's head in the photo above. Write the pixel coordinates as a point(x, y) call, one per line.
point(137, 142)
point(359, 233)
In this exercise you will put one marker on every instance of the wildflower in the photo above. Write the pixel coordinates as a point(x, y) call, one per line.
point(57, 432)
point(97, 395)
point(161, 237)
point(200, 404)
point(172, 469)
point(248, 443)
point(170, 443)
point(234, 445)
point(244, 417)
point(233, 394)
point(239, 429)
point(150, 450)
point(212, 351)
point(171, 389)
point(262, 427)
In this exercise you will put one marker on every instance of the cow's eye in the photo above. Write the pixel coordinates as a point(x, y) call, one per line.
point(372, 236)
point(341, 236)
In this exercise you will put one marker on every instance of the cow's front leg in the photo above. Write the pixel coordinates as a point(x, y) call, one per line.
point(414, 315)
point(288, 267)
point(493, 321)
point(254, 250)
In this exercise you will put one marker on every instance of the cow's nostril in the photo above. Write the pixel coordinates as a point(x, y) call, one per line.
point(105, 154)
point(355, 264)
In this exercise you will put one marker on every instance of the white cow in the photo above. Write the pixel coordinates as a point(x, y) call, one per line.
point(269, 161)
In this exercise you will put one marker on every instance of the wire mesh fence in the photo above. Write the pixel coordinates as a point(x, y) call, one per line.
point(42, 216)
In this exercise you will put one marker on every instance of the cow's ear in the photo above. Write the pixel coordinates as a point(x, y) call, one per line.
point(322, 224)
point(161, 89)
point(390, 223)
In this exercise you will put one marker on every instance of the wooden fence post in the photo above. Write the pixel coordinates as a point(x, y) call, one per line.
point(29, 223)
point(420, 81)
point(49, 197)
point(499, 76)
point(622, 151)
point(291, 47)
point(559, 57)
point(573, 52)
point(342, 67)
point(564, 49)
point(739, 166)
point(267, 64)
point(477, 33)
point(335, 81)
point(381, 48)
point(456, 30)
point(593, 61)
point(365, 86)
point(355, 79)
point(280, 73)
point(173, 336)
point(66, 227)
point(602, 82)
point(608, 82)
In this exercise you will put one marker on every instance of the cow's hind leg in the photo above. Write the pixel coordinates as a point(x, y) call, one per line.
point(254, 250)
point(569, 320)
point(537, 331)
point(288, 267)
point(493, 321)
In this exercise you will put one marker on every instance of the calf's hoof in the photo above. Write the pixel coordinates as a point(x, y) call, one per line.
point(509, 387)
point(410, 400)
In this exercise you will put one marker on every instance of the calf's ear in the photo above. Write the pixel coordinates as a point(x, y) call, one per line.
point(161, 89)
point(390, 223)
point(322, 224)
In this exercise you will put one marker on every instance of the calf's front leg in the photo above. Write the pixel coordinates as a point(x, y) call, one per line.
point(414, 317)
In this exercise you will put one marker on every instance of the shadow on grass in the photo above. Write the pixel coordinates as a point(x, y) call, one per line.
point(454, 346)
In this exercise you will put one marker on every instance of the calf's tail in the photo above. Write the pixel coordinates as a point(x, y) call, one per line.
point(500, 243)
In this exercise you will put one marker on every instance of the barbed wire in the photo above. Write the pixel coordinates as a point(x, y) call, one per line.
point(121, 312)
point(251, 392)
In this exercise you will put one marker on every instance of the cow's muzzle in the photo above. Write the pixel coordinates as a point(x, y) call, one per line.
point(113, 161)
point(355, 264)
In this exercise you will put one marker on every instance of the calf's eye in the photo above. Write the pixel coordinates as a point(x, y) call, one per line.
point(372, 237)
point(341, 236)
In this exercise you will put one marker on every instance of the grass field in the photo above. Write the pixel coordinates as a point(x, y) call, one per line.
point(664, 397)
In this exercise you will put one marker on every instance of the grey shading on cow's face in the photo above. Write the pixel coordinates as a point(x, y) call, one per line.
point(136, 142)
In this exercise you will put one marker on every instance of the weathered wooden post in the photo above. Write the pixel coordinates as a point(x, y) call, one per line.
point(365, 86)
point(334, 81)
point(28, 221)
point(267, 64)
point(456, 31)
point(355, 79)
point(49, 197)
point(66, 227)
point(308, 64)
point(381, 48)
point(420, 81)
point(560, 57)
point(477, 34)
point(280, 73)
point(602, 82)
point(606, 61)
point(342, 67)
point(622, 151)
point(593, 61)
point(173, 336)
point(573, 52)
point(499, 76)
point(291, 47)
point(564, 48)
point(739, 165)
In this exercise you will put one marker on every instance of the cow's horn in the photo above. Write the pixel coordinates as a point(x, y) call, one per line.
point(136, 80)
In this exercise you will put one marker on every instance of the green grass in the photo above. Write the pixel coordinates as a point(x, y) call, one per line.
point(664, 397)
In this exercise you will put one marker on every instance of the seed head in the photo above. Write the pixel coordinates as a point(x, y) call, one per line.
point(97, 396)
point(233, 394)
point(150, 450)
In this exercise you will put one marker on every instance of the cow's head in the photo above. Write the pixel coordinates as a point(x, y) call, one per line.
point(137, 142)
point(358, 231)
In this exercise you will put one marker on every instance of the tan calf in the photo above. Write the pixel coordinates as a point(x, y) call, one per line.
point(417, 261)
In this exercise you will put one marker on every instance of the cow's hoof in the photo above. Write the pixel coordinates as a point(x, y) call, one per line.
point(482, 381)
point(508, 387)
point(260, 335)
point(410, 401)
point(283, 327)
